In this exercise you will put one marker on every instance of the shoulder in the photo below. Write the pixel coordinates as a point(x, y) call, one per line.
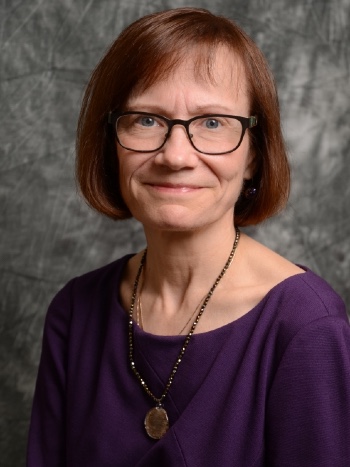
point(84, 292)
point(309, 384)
point(292, 297)
point(291, 293)
point(292, 287)
point(303, 314)
point(304, 298)
point(92, 281)
point(314, 290)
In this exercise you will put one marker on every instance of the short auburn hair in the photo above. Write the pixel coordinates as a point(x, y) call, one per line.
point(148, 51)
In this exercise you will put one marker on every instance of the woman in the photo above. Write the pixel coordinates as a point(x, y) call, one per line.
point(206, 348)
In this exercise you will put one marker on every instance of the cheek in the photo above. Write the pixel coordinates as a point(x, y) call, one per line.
point(131, 167)
point(125, 172)
point(233, 170)
point(251, 162)
point(248, 172)
point(232, 173)
point(245, 161)
point(124, 164)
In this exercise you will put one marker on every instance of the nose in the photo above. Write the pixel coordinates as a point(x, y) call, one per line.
point(177, 153)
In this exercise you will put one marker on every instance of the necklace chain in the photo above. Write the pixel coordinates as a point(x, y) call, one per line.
point(159, 400)
point(139, 312)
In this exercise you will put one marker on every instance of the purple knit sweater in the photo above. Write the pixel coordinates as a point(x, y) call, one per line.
point(269, 389)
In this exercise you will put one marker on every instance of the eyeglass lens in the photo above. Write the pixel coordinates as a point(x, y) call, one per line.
point(214, 134)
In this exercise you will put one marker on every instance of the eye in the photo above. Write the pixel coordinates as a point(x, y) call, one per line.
point(147, 121)
point(212, 123)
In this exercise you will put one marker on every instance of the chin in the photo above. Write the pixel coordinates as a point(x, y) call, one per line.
point(171, 225)
point(172, 220)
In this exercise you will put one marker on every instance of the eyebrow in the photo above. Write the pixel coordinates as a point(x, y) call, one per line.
point(213, 108)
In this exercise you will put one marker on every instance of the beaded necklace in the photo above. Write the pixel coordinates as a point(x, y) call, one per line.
point(157, 420)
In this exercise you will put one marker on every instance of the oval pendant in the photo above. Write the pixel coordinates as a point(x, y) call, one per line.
point(156, 422)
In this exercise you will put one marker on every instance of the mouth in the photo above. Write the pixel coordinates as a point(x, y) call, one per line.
point(173, 187)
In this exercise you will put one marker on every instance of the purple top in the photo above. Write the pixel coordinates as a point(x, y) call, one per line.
point(269, 389)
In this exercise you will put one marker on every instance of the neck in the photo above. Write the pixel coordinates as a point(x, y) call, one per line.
point(189, 249)
point(181, 266)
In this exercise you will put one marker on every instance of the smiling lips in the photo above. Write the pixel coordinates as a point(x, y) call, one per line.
point(174, 187)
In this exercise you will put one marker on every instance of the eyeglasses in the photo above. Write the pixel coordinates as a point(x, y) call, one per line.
point(212, 134)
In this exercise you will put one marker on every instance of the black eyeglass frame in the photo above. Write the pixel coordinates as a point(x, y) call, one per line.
point(246, 122)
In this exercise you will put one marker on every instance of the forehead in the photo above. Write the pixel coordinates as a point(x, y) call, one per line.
point(219, 68)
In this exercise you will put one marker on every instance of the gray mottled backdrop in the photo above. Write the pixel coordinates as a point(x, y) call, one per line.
point(48, 49)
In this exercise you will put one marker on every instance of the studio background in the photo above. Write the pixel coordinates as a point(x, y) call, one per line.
point(48, 235)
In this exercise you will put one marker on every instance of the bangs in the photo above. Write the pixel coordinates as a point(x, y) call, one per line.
point(160, 47)
point(202, 60)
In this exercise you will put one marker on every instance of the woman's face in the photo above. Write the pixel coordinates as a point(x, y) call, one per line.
point(177, 188)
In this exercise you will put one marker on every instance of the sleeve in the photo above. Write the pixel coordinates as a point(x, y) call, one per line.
point(46, 440)
point(308, 409)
